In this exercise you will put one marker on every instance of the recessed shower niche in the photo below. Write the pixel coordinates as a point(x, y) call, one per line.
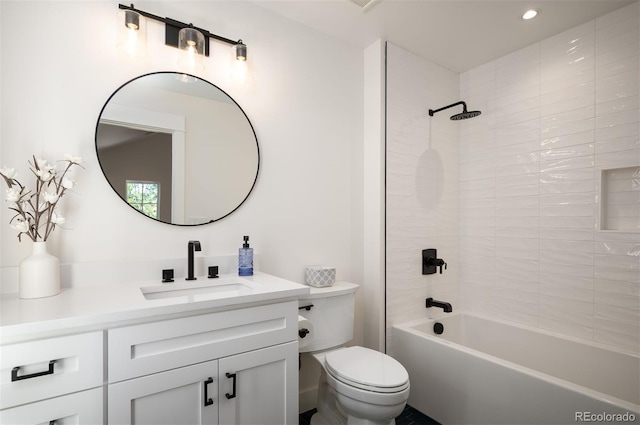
point(620, 199)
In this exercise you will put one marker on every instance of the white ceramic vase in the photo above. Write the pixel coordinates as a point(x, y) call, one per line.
point(39, 273)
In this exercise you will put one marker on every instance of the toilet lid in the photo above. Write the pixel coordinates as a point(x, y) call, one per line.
point(366, 368)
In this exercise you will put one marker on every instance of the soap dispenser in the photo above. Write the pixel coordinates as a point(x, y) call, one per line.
point(245, 259)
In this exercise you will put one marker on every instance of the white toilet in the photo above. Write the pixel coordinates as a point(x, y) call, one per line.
point(357, 385)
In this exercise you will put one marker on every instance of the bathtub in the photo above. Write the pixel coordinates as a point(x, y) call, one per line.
point(484, 371)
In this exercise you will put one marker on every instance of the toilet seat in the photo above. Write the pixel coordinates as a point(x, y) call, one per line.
point(367, 370)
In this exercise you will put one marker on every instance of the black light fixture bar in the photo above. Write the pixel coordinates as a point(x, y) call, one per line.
point(173, 27)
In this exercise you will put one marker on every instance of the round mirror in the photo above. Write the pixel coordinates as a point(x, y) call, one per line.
point(177, 148)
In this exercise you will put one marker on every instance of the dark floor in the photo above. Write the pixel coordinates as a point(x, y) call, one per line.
point(409, 416)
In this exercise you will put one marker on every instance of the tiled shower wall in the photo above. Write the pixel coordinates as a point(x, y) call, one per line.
point(511, 198)
point(422, 194)
point(554, 115)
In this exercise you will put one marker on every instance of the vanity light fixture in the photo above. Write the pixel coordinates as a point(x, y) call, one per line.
point(530, 14)
point(241, 51)
point(132, 34)
point(173, 31)
point(191, 45)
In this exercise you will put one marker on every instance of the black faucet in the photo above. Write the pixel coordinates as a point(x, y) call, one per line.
point(192, 246)
point(431, 262)
point(430, 302)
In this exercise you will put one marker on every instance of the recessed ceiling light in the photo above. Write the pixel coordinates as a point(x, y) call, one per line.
point(530, 14)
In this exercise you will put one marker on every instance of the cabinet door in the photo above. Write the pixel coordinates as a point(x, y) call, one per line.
point(266, 386)
point(185, 396)
point(84, 407)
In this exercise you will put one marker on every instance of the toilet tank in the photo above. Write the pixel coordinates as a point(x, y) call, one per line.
point(331, 315)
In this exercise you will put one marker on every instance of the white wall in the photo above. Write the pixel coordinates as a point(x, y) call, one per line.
point(421, 185)
point(554, 114)
point(306, 110)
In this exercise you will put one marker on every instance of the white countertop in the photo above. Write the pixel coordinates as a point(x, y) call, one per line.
point(98, 307)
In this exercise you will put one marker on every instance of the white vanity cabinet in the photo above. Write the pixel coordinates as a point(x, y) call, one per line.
point(111, 356)
point(55, 380)
point(238, 366)
point(266, 386)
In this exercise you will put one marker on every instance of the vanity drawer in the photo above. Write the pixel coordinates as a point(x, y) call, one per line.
point(35, 370)
point(154, 347)
point(85, 407)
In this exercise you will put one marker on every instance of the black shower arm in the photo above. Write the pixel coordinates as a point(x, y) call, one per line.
point(433, 111)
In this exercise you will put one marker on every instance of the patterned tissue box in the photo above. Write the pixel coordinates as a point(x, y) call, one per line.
point(320, 276)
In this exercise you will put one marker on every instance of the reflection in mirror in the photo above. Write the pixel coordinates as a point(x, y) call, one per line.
point(177, 150)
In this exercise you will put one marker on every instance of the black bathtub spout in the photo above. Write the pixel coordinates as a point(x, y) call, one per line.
point(430, 302)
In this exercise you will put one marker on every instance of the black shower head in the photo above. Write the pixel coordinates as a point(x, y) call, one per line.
point(457, 117)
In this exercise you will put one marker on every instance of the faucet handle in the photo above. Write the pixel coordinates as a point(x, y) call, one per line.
point(442, 263)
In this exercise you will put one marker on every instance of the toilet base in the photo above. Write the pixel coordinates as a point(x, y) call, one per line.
point(329, 410)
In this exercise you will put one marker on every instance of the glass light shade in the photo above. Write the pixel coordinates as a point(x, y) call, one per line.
point(241, 51)
point(132, 35)
point(191, 46)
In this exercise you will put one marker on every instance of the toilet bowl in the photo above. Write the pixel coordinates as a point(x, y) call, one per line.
point(357, 385)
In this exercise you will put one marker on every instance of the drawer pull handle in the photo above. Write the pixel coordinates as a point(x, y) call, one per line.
point(15, 377)
point(233, 394)
point(306, 307)
point(207, 401)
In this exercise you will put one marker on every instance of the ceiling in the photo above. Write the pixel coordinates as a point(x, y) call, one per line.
point(456, 34)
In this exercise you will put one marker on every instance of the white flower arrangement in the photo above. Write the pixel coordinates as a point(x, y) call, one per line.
point(36, 212)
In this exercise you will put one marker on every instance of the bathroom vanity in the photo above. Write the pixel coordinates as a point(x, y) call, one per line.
point(202, 352)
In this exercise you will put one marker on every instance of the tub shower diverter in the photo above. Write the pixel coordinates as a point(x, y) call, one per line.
point(217, 289)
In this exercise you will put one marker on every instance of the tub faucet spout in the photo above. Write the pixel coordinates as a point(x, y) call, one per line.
point(192, 246)
point(430, 302)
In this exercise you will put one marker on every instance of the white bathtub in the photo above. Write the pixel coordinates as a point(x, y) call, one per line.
point(483, 371)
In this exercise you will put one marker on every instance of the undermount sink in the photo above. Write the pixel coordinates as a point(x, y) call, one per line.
point(197, 289)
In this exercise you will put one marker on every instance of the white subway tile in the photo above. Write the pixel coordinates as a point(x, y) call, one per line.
point(587, 222)
point(617, 159)
point(567, 234)
point(564, 80)
point(626, 288)
point(620, 53)
point(568, 199)
point(617, 119)
point(629, 262)
point(516, 223)
point(570, 139)
point(617, 300)
point(614, 313)
point(567, 128)
point(563, 280)
point(502, 191)
point(566, 293)
point(629, 23)
point(566, 187)
point(617, 274)
point(517, 232)
point(617, 248)
point(566, 258)
point(569, 42)
point(616, 17)
point(618, 67)
point(567, 152)
point(630, 143)
point(586, 161)
point(569, 246)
